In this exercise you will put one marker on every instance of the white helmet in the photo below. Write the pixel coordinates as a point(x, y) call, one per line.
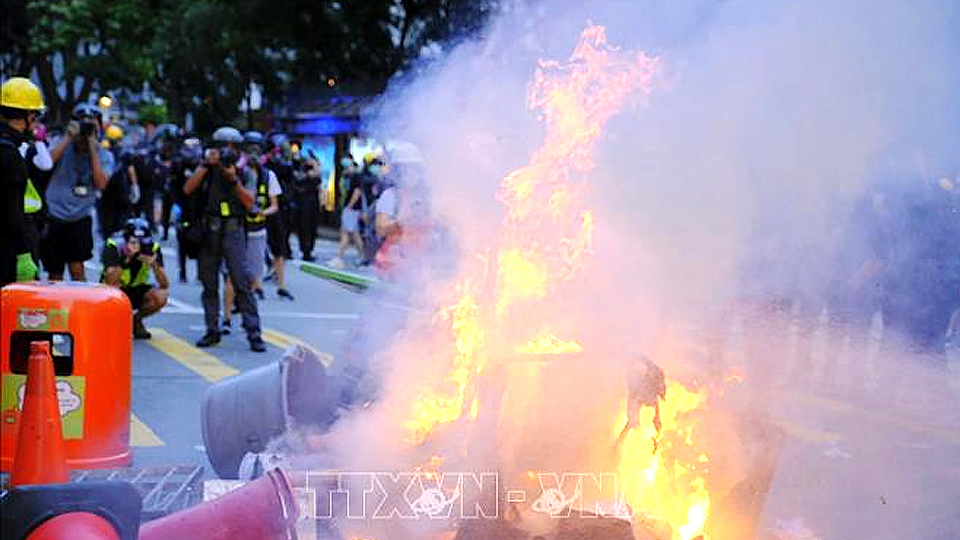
point(228, 134)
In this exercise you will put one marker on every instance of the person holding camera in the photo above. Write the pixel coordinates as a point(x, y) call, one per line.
point(225, 203)
point(306, 178)
point(129, 258)
point(20, 104)
point(82, 168)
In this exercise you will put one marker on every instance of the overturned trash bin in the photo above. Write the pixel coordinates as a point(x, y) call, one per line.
point(243, 413)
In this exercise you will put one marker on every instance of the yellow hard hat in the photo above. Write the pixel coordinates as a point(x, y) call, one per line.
point(21, 93)
point(114, 132)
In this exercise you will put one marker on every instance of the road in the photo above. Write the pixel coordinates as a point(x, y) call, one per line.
point(170, 374)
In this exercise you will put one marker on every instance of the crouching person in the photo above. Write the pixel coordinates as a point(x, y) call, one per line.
point(131, 259)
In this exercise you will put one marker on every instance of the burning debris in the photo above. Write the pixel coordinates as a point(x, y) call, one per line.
point(507, 386)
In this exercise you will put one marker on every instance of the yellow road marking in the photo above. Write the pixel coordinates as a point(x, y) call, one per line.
point(283, 341)
point(141, 434)
point(199, 361)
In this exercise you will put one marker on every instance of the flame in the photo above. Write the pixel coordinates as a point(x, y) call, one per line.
point(544, 238)
point(664, 475)
point(543, 242)
point(549, 344)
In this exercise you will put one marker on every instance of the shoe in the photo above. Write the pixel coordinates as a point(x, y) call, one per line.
point(140, 331)
point(309, 258)
point(260, 295)
point(283, 293)
point(211, 338)
point(226, 326)
point(257, 344)
point(336, 262)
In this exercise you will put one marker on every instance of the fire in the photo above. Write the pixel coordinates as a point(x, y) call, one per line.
point(663, 474)
point(544, 238)
point(549, 344)
point(543, 243)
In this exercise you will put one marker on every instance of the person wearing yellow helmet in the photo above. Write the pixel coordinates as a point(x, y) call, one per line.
point(20, 105)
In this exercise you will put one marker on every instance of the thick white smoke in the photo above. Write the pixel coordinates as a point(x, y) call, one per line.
point(732, 185)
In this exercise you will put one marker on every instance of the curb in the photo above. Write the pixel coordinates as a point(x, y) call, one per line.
point(342, 276)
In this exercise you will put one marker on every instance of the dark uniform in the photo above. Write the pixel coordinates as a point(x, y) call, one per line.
point(189, 227)
point(307, 193)
point(13, 182)
point(224, 240)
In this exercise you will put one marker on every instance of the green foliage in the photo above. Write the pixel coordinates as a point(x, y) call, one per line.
point(201, 56)
point(153, 113)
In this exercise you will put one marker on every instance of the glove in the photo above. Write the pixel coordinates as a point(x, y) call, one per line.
point(26, 268)
point(73, 129)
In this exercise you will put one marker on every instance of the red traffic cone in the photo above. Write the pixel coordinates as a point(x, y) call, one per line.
point(75, 526)
point(264, 509)
point(40, 457)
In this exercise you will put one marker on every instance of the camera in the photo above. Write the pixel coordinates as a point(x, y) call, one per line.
point(146, 245)
point(87, 128)
point(228, 157)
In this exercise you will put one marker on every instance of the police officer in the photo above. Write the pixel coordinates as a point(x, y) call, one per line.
point(129, 258)
point(20, 104)
point(224, 204)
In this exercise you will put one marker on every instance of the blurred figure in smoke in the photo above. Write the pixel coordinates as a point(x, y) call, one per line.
point(923, 276)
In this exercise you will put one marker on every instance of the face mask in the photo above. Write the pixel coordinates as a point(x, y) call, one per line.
point(376, 170)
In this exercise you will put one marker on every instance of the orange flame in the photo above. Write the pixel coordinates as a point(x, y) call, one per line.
point(543, 242)
point(549, 344)
point(544, 238)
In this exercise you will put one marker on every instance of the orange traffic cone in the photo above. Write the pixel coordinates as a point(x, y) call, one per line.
point(40, 457)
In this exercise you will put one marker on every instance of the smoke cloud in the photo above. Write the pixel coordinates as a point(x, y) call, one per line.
point(722, 207)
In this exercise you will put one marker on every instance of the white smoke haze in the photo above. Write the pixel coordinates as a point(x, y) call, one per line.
point(767, 122)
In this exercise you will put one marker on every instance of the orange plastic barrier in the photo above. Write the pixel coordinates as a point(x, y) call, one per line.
point(88, 327)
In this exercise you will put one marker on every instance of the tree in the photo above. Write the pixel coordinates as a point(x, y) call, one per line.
point(201, 56)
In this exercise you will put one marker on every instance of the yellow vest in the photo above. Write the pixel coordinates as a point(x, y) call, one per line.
point(32, 202)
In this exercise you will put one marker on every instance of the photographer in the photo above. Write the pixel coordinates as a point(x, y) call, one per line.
point(224, 206)
point(306, 178)
point(82, 169)
point(129, 257)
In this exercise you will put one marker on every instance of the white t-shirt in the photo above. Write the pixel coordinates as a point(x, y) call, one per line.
point(273, 183)
point(387, 203)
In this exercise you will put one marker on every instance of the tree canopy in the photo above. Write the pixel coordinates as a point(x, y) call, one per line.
point(201, 56)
